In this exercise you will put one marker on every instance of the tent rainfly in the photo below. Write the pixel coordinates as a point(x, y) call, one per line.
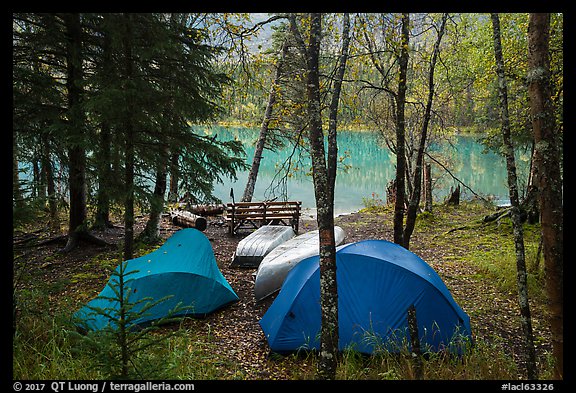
point(377, 283)
point(180, 275)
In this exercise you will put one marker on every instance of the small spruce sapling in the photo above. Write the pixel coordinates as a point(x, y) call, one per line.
point(120, 344)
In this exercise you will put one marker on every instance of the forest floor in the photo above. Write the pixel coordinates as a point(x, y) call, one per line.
point(443, 240)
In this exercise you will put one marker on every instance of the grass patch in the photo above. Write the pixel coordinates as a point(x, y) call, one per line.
point(43, 349)
point(49, 348)
point(489, 247)
point(498, 264)
point(481, 361)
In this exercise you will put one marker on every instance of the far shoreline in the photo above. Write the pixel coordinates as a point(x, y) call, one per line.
point(351, 127)
point(309, 213)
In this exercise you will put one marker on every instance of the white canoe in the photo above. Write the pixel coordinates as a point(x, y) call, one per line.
point(254, 247)
point(276, 265)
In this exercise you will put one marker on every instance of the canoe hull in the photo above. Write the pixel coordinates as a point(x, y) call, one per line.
point(253, 248)
point(275, 266)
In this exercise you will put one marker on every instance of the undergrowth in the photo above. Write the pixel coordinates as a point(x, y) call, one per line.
point(45, 347)
point(489, 246)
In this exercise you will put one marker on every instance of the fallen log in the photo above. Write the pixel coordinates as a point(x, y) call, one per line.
point(185, 219)
point(207, 210)
point(498, 215)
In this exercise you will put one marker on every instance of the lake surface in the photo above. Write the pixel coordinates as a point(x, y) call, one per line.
point(366, 168)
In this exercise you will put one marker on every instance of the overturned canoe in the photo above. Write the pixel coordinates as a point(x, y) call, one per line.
point(276, 265)
point(254, 247)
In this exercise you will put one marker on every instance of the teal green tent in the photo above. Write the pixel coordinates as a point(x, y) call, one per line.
point(183, 272)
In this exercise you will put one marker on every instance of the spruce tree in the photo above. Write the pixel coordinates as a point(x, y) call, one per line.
point(120, 345)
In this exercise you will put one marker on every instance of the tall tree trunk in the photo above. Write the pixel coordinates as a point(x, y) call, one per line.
point(76, 152)
point(334, 103)
point(522, 281)
point(417, 178)
point(325, 210)
point(129, 141)
point(253, 174)
point(546, 138)
point(400, 134)
point(324, 175)
point(102, 217)
point(104, 153)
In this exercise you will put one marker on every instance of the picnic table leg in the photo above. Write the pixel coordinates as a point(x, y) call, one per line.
point(231, 227)
point(297, 218)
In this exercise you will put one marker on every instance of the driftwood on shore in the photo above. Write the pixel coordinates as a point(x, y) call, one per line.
point(185, 219)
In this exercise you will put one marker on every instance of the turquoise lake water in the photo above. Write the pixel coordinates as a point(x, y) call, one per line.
point(368, 166)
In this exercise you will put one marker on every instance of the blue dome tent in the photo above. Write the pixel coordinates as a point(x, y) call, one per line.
point(183, 272)
point(377, 282)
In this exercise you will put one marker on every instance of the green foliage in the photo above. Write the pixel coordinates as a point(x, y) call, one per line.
point(374, 203)
point(173, 84)
point(495, 257)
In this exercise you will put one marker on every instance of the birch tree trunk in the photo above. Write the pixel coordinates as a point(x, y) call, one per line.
point(400, 134)
point(253, 175)
point(151, 232)
point(521, 278)
point(324, 177)
point(328, 360)
point(549, 177)
point(417, 178)
point(334, 103)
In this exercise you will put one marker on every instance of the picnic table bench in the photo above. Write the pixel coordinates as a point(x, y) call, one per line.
point(252, 215)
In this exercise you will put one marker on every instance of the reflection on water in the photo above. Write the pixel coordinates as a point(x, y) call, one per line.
point(368, 166)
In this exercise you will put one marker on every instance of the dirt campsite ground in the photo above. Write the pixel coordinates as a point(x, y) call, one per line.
point(235, 332)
